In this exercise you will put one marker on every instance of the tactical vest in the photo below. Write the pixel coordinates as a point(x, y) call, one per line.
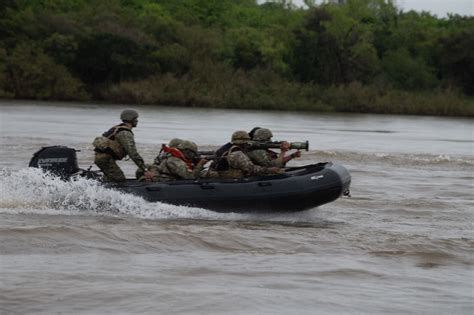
point(272, 154)
point(109, 145)
point(221, 164)
point(219, 152)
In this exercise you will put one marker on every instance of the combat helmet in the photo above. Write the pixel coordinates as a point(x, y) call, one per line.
point(262, 134)
point(188, 148)
point(240, 137)
point(128, 115)
point(175, 142)
point(252, 132)
point(187, 145)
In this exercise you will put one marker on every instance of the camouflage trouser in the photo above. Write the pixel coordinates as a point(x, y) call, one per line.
point(232, 173)
point(210, 174)
point(107, 164)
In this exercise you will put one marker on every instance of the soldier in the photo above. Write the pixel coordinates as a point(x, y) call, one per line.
point(269, 158)
point(153, 168)
point(117, 143)
point(172, 144)
point(177, 162)
point(236, 164)
point(227, 146)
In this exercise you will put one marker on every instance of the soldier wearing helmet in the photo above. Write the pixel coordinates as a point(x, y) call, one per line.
point(227, 146)
point(117, 143)
point(240, 137)
point(172, 144)
point(153, 168)
point(235, 163)
point(176, 162)
point(267, 157)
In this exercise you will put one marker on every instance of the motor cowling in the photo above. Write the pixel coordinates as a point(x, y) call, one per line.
point(58, 160)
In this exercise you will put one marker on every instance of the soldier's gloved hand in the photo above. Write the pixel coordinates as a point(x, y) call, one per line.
point(284, 146)
point(148, 175)
point(297, 154)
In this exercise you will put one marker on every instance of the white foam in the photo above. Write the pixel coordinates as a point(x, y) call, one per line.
point(32, 191)
point(35, 192)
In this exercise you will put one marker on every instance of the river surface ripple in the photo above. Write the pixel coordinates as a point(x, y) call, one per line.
point(403, 244)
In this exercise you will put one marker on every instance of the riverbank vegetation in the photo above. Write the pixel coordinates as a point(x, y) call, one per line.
point(362, 56)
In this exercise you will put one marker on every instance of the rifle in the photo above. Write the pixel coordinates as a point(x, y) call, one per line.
point(276, 145)
point(211, 155)
point(205, 153)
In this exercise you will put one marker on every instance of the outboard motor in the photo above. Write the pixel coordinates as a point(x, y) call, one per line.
point(59, 160)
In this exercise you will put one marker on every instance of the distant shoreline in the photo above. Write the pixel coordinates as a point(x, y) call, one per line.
point(420, 104)
point(360, 56)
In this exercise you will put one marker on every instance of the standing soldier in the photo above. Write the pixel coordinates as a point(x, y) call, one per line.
point(117, 143)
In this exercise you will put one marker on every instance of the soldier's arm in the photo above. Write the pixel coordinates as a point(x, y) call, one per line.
point(127, 141)
point(242, 162)
point(198, 169)
point(160, 157)
point(178, 168)
point(281, 160)
point(260, 157)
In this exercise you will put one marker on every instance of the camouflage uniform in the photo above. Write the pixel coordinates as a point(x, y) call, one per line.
point(174, 168)
point(107, 163)
point(162, 155)
point(234, 163)
point(266, 158)
point(240, 166)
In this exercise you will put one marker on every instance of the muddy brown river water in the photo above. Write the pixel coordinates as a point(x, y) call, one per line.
point(403, 244)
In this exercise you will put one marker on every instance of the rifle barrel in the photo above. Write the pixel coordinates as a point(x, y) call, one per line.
point(205, 152)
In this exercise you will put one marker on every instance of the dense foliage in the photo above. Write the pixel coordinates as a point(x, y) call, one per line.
point(363, 56)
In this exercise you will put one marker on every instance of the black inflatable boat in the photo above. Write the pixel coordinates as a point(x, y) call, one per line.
point(299, 188)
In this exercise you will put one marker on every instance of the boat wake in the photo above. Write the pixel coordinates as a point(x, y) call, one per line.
point(394, 159)
point(33, 191)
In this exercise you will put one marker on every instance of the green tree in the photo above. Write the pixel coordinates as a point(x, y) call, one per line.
point(173, 58)
point(457, 59)
point(33, 74)
point(108, 58)
point(243, 47)
point(262, 54)
point(335, 47)
point(62, 48)
point(3, 73)
point(407, 72)
point(316, 51)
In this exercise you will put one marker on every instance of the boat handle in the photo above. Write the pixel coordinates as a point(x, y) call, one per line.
point(264, 184)
point(207, 187)
point(153, 188)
